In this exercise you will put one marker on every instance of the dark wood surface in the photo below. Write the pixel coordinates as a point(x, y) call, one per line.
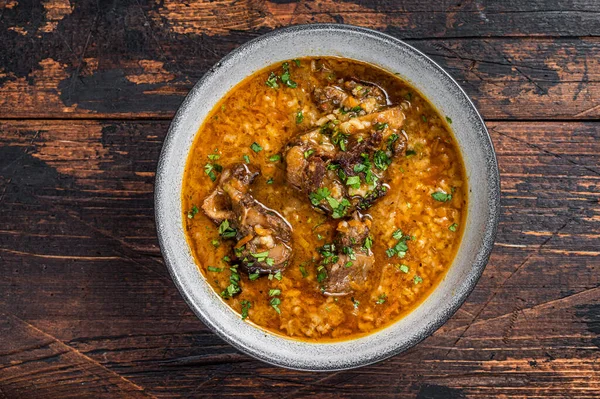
point(87, 308)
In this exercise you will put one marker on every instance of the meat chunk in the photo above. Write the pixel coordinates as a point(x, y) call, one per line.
point(348, 260)
point(263, 236)
point(341, 165)
point(350, 96)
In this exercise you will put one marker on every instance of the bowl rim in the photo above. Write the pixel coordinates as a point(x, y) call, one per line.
point(471, 278)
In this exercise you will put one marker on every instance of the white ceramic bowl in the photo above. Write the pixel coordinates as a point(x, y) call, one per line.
point(421, 72)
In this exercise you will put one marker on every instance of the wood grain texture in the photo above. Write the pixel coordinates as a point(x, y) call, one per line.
point(133, 59)
point(87, 308)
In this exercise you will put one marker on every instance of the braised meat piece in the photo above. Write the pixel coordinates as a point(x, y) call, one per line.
point(341, 165)
point(263, 236)
point(351, 96)
point(348, 260)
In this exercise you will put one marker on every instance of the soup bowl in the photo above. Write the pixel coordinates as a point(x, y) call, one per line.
point(444, 94)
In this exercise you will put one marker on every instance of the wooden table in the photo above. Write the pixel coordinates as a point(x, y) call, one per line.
point(87, 91)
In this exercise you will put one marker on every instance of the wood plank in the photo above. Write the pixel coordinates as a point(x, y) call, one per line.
point(140, 59)
point(77, 240)
point(35, 364)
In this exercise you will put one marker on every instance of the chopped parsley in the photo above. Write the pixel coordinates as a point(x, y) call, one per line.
point(215, 269)
point(285, 77)
point(319, 195)
point(226, 259)
point(441, 196)
point(234, 284)
point(339, 207)
point(448, 119)
point(299, 117)
point(381, 126)
point(410, 153)
point(341, 140)
point(353, 181)
point(275, 158)
point(340, 210)
point(213, 157)
point(321, 273)
point(246, 305)
point(277, 276)
point(381, 160)
point(246, 158)
point(453, 227)
point(256, 147)
point(272, 81)
point(400, 248)
point(381, 299)
point(193, 212)
point(348, 264)
point(275, 302)
point(308, 153)
point(215, 243)
point(391, 140)
point(303, 271)
point(356, 109)
point(270, 180)
point(403, 268)
point(355, 302)
point(350, 252)
point(274, 292)
point(397, 234)
point(211, 168)
point(261, 256)
point(297, 62)
point(226, 231)
point(417, 279)
point(368, 243)
point(253, 276)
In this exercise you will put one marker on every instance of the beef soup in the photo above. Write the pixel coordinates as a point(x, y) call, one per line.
point(324, 198)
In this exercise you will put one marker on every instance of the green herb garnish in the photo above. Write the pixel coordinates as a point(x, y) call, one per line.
point(225, 230)
point(234, 284)
point(246, 305)
point(453, 227)
point(272, 81)
point(353, 181)
point(441, 196)
point(303, 272)
point(299, 117)
point(275, 302)
point(285, 77)
point(381, 160)
point(193, 212)
point(417, 279)
point(214, 269)
point(256, 147)
point(381, 299)
point(368, 243)
point(381, 126)
point(275, 158)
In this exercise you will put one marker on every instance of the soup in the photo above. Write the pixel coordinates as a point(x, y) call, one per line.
point(324, 198)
